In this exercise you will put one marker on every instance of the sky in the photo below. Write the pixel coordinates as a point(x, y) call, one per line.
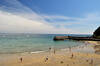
point(49, 16)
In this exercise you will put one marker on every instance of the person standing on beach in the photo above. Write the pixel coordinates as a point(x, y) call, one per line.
point(72, 55)
point(91, 62)
point(70, 49)
point(49, 49)
point(54, 51)
point(21, 59)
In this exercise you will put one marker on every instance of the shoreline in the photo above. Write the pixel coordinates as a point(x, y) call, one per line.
point(74, 48)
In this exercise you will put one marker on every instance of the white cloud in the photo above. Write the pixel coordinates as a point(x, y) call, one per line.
point(18, 24)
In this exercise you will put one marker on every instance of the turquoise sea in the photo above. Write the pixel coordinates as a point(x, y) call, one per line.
point(17, 43)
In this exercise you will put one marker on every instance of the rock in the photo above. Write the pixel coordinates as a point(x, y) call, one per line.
point(61, 62)
point(96, 33)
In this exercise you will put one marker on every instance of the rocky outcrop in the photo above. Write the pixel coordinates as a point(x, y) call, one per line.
point(96, 33)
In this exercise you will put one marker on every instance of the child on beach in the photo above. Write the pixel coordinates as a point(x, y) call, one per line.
point(46, 58)
point(72, 55)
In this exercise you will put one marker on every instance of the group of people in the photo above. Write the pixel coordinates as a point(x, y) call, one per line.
point(54, 51)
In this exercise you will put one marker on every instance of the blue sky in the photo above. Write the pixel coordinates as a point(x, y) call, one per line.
point(72, 8)
point(49, 16)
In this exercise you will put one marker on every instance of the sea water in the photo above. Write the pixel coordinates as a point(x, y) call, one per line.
point(19, 43)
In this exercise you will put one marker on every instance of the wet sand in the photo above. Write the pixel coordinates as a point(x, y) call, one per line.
point(93, 42)
point(53, 58)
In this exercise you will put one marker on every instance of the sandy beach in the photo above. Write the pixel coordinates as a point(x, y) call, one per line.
point(63, 57)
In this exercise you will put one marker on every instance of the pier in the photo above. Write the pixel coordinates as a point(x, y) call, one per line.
point(59, 38)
